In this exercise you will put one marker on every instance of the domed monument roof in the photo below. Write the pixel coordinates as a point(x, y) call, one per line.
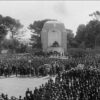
point(54, 24)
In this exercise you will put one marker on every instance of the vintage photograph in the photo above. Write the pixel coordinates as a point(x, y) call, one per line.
point(49, 50)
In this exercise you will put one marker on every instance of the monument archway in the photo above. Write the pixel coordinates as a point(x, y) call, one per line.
point(54, 31)
point(54, 35)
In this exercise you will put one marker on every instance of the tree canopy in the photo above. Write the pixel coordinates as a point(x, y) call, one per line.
point(9, 24)
point(70, 38)
point(12, 25)
point(3, 30)
point(87, 34)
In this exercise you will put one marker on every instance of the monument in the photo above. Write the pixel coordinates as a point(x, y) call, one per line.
point(54, 37)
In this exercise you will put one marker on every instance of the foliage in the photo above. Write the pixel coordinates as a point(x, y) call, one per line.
point(3, 31)
point(97, 41)
point(22, 48)
point(9, 24)
point(77, 52)
point(36, 42)
point(14, 46)
point(12, 25)
point(39, 53)
point(70, 38)
point(87, 35)
point(11, 44)
point(92, 30)
point(36, 26)
point(80, 34)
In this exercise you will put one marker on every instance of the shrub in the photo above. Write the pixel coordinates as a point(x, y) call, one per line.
point(77, 52)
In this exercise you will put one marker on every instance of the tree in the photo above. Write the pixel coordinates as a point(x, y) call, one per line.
point(70, 38)
point(12, 25)
point(96, 15)
point(80, 34)
point(36, 28)
point(36, 41)
point(22, 48)
point(3, 31)
point(92, 31)
point(97, 41)
point(86, 34)
point(9, 24)
point(11, 44)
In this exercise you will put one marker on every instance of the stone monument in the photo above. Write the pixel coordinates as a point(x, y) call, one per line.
point(54, 37)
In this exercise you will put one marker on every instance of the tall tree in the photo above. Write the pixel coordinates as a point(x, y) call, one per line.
point(96, 15)
point(9, 24)
point(12, 25)
point(70, 38)
point(3, 31)
point(86, 35)
point(80, 35)
point(97, 41)
point(11, 44)
point(92, 31)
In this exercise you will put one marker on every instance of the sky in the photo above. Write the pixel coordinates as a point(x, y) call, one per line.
point(71, 13)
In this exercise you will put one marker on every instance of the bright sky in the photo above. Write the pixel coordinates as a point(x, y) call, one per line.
point(71, 13)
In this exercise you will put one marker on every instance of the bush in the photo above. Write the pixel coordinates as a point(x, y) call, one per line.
point(77, 52)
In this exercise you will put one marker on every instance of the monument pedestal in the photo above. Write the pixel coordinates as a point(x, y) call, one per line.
point(59, 50)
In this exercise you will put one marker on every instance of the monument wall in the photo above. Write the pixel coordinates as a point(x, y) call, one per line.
point(54, 35)
point(54, 31)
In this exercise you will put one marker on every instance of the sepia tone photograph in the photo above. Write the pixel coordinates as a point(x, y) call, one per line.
point(49, 50)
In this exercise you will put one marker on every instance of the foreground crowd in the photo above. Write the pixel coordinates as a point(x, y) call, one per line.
point(79, 80)
point(72, 85)
point(75, 84)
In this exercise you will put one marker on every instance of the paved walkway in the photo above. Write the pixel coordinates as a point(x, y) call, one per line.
point(15, 86)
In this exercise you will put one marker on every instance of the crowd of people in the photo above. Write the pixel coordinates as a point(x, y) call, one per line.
point(29, 66)
point(75, 84)
point(79, 78)
point(70, 85)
